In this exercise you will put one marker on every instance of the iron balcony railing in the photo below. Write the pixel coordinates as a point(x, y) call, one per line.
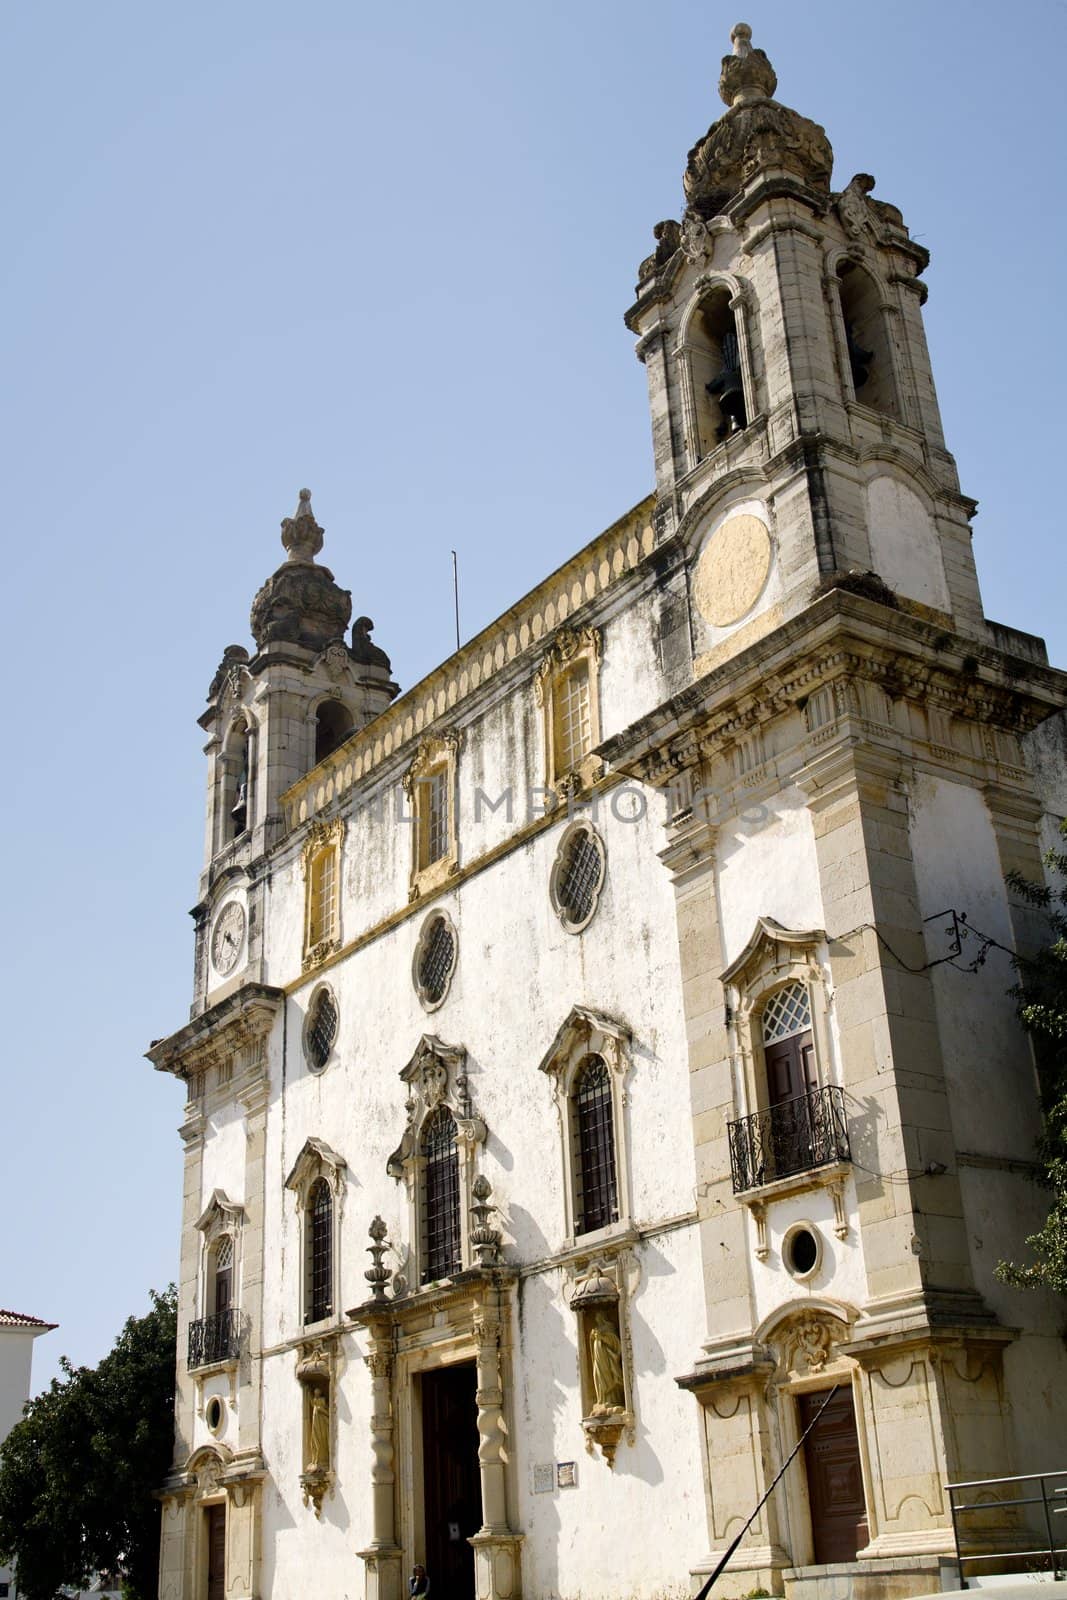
point(215, 1338)
point(794, 1136)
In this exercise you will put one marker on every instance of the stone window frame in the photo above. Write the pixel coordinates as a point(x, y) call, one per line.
point(570, 650)
point(305, 1035)
point(317, 1160)
point(221, 1218)
point(436, 756)
point(580, 825)
point(438, 914)
point(323, 839)
point(740, 302)
point(774, 957)
point(436, 1076)
point(586, 1032)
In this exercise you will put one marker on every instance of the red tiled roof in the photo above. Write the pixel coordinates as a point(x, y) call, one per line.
point(14, 1319)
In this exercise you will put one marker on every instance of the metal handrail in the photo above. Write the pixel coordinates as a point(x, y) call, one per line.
point(1046, 1553)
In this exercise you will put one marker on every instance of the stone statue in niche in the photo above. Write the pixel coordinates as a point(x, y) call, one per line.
point(318, 1460)
point(605, 1364)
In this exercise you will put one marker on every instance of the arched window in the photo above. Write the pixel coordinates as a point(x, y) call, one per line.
point(870, 358)
point(717, 376)
point(333, 724)
point(318, 1253)
point(441, 1236)
point(593, 1145)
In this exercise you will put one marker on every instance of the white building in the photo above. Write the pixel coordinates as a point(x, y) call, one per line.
point(17, 1334)
point(546, 1169)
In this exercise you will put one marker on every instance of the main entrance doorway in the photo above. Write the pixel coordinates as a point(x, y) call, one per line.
point(215, 1520)
point(452, 1493)
point(835, 1477)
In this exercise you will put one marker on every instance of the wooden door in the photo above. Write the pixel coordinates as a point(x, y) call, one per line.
point(835, 1478)
point(452, 1493)
point(215, 1517)
point(790, 1066)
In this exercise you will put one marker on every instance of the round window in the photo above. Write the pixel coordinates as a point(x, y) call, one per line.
point(320, 1029)
point(435, 960)
point(801, 1250)
point(215, 1413)
point(578, 876)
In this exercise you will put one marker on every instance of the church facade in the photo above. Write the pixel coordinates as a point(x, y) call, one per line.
point(600, 1066)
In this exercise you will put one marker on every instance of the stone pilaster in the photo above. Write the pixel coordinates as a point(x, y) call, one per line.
point(192, 1136)
point(497, 1548)
point(690, 859)
point(914, 1239)
point(382, 1557)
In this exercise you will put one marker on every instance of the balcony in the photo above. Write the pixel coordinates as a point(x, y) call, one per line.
point(214, 1339)
point(795, 1136)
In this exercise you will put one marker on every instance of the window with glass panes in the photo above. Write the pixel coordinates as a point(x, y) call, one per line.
point(593, 1136)
point(441, 1244)
point(434, 819)
point(321, 908)
point(573, 728)
point(319, 1288)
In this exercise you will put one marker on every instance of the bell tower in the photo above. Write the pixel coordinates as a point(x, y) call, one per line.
point(271, 716)
point(796, 430)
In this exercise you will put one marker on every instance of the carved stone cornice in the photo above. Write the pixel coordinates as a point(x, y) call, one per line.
point(217, 1034)
point(841, 640)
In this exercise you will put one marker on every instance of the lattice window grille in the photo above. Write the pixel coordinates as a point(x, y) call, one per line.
point(593, 1128)
point(787, 1012)
point(580, 877)
point(320, 1252)
point(573, 724)
point(435, 966)
point(224, 1253)
point(322, 1030)
point(440, 1198)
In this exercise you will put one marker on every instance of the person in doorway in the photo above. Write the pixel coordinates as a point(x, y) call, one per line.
point(418, 1583)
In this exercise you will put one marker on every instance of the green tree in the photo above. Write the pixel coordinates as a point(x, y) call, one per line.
point(1042, 996)
point(77, 1474)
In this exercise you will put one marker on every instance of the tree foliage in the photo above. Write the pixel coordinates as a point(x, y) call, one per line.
point(1042, 996)
point(77, 1474)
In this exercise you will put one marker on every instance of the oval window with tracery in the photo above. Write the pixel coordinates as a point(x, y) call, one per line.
point(435, 960)
point(321, 1029)
point(578, 876)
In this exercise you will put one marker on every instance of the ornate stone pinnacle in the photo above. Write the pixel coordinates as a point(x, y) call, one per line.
point(301, 534)
point(377, 1275)
point(485, 1241)
point(746, 75)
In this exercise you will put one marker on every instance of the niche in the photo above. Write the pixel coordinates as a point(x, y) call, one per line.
point(603, 1364)
point(718, 381)
point(333, 724)
point(867, 339)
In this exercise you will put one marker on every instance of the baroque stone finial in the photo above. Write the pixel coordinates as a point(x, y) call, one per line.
point(376, 1274)
point(746, 75)
point(301, 534)
point(485, 1241)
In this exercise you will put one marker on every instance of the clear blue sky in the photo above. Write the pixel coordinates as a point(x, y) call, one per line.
point(383, 251)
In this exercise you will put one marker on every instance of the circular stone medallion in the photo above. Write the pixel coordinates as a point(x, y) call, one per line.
point(732, 570)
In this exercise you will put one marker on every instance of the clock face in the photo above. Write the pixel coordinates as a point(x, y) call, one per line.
point(228, 937)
